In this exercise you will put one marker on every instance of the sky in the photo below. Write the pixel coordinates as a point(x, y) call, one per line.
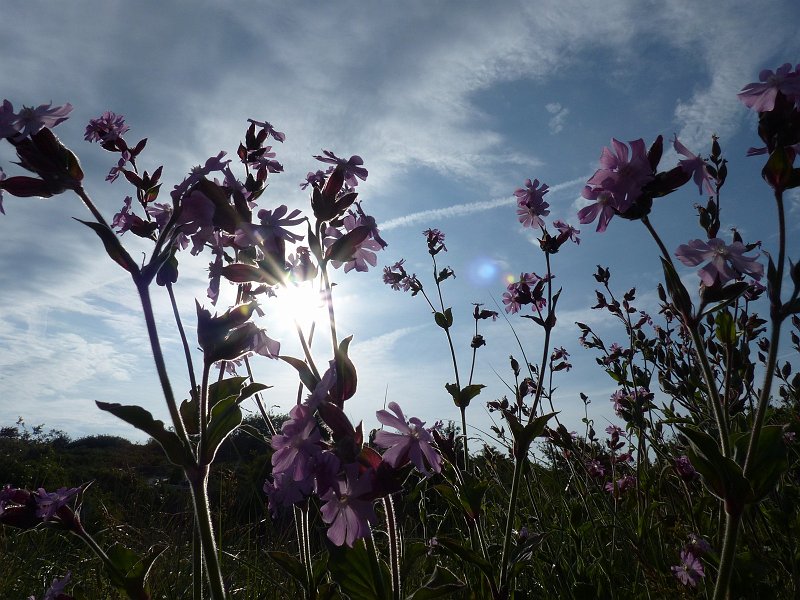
point(452, 105)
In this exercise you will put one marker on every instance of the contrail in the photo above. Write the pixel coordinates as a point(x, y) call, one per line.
point(458, 210)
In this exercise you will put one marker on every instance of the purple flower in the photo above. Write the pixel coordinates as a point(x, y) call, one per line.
point(48, 503)
point(622, 176)
point(602, 208)
point(346, 510)
point(725, 262)
point(596, 469)
point(213, 164)
point(56, 589)
point(272, 228)
point(30, 120)
point(271, 132)
point(435, 239)
point(690, 571)
point(528, 290)
point(684, 468)
point(694, 165)
point(568, 231)
point(108, 127)
point(285, 491)
point(264, 345)
point(531, 206)
point(697, 545)
point(413, 443)
point(398, 279)
point(314, 179)
point(621, 486)
point(352, 167)
point(761, 96)
point(297, 444)
point(364, 252)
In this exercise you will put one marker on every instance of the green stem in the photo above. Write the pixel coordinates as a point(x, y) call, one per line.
point(186, 350)
point(198, 484)
point(776, 317)
point(394, 547)
point(512, 506)
point(158, 356)
point(727, 557)
point(713, 392)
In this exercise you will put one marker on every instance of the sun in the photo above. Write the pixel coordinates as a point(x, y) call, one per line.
point(298, 303)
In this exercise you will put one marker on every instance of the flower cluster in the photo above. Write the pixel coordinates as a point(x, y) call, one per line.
point(528, 289)
point(345, 476)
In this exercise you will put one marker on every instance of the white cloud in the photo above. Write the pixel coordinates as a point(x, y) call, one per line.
point(556, 122)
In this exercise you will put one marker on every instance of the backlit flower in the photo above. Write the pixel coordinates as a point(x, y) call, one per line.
point(413, 443)
point(48, 503)
point(531, 206)
point(108, 127)
point(725, 262)
point(694, 165)
point(346, 511)
point(352, 167)
point(31, 120)
point(761, 96)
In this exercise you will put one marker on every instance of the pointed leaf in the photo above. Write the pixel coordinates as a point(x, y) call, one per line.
point(226, 416)
point(441, 583)
point(144, 421)
point(113, 246)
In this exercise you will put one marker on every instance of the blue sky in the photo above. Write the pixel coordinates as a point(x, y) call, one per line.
point(452, 105)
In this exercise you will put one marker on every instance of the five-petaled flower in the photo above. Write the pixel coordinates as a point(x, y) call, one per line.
point(690, 571)
point(725, 262)
point(761, 96)
point(413, 443)
point(695, 166)
point(48, 503)
point(352, 166)
point(29, 120)
point(346, 510)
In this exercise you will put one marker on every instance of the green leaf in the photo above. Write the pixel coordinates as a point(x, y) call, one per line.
point(721, 475)
point(676, 289)
point(225, 388)
point(769, 460)
point(144, 421)
point(113, 246)
point(441, 320)
point(467, 555)
point(463, 397)
point(226, 416)
point(306, 375)
point(725, 328)
point(291, 564)
point(130, 571)
point(350, 568)
point(441, 583)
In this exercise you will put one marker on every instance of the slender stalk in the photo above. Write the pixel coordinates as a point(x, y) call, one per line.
point(726, 559)
point(329, 302)
point(186, 350)
point(198, 484)
point(512, 507)
point(394, 547)
point(197, 564)
point(776, 316)
point(713, 392)
point(158, 356)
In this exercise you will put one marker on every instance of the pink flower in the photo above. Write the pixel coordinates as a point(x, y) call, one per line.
point(30, 120)
point(725, 262)
point(48, 503)
point(694, 165)
point(364, 253)
point(531, 206)
point(690, 571)
point(602, 208)
point(413, 443)
point(346, 511)
point(352, 167)
point(108, 127)
point(2, 176)
point(761, 96)
point(622, 176)
point(567, 231)
point(297, 444)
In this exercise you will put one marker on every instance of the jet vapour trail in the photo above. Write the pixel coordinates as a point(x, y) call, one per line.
point(459, 210)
